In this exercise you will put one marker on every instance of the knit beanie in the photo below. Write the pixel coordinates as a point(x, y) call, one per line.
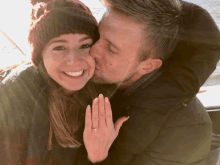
point(52, 19)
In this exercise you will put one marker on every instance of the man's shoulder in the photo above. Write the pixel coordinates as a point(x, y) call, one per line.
point(191, 6)
point(177, 111)
point(191, 113)
point(160, 96)
point(196, 18)
point(187, 117)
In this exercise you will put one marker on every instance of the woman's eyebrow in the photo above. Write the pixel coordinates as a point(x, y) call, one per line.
point(56, 41)
point(85, 38)
point(64, 41)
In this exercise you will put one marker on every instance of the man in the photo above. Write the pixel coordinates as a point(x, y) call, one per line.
point(167, 124)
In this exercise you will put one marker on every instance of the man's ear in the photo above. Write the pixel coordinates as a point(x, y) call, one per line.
point(149, 65)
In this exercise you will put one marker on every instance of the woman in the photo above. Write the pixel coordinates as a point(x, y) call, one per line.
point(46, 113)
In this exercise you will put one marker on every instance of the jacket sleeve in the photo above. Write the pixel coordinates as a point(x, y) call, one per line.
point(12, 138)
point(152, 138)
point(168, 150)
point(197, 53)
point(17, 98)
point(185, 138)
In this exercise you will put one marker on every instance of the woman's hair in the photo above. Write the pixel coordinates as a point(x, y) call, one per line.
point(66, 112)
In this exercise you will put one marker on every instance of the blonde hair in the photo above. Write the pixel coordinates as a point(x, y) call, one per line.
point(160, 20)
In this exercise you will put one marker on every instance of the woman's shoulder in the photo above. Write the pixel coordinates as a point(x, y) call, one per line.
point(21, 71)
point(19, 91)
point(25, 75)
point(22, 82)
point(20, 88)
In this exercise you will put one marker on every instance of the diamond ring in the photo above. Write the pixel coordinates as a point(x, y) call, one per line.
point(96, 128)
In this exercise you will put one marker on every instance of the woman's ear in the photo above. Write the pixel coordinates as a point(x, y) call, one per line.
point(149, 65)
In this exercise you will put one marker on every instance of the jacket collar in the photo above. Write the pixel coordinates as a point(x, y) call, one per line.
point(143, 81)
point(140, 95)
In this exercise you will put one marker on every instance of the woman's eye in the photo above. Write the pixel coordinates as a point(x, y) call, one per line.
point(59, 48)
point(85, 46)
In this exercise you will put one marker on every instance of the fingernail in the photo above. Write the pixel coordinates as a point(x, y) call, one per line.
point(101, 95)
point(128, 117)
point(95, 100)
point(106, 100)
point(88, 107)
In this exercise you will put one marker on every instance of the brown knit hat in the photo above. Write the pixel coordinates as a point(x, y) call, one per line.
point(52, 19)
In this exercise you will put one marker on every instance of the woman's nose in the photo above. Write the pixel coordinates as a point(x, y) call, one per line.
point(73, 56)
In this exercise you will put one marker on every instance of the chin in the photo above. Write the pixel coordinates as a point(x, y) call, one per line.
point(69, 91)
point(100, 80)
point(73, 88)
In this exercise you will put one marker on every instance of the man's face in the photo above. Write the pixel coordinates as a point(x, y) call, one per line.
point(118, 49)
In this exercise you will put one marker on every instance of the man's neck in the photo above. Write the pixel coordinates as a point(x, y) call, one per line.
point(130, 82)
point(144, 80)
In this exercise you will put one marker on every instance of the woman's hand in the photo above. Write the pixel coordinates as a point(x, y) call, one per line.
point(100, 131)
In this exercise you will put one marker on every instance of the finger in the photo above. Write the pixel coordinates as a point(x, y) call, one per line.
point(108, 112)
point(119, 123)
point(95, 118)
point(101, 111)
point(88, 120)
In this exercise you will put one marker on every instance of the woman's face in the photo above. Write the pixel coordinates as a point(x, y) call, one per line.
point(68, 62)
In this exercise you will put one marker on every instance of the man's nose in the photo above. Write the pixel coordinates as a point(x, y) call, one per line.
point(96, 50)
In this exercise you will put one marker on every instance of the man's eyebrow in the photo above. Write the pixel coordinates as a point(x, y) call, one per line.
point(112, 44)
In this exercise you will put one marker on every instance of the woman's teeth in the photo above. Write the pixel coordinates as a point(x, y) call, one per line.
point(74, 74)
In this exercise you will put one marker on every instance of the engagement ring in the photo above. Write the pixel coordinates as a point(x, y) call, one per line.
point(96, 128)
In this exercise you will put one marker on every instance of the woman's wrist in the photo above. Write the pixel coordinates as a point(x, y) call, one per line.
point(95, 158)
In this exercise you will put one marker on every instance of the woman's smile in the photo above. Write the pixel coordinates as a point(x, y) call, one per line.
point(75, 74)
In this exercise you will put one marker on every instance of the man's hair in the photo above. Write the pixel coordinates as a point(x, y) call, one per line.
point(161, 20)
